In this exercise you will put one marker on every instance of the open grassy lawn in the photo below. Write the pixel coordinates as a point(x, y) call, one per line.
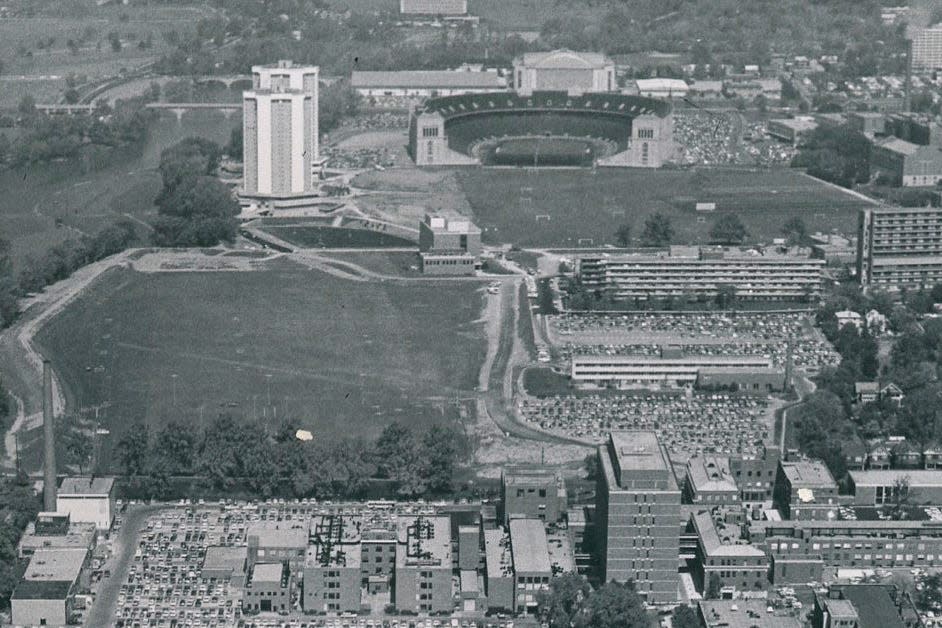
point(345, 358)
point(561, 208)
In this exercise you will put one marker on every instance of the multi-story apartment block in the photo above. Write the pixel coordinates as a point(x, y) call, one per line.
point(899, 247)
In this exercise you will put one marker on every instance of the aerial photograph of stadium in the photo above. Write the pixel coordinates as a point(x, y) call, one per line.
point(471, 313)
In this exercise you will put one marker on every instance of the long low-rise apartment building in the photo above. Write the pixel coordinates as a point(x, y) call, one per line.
point(666, 369)
point(686, 272)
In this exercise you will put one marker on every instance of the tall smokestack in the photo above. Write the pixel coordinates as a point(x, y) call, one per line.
point(49, 465)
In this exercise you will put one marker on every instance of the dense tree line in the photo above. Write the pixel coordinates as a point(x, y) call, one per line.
point(18, 506)
point(195, 208)
point(230, 451)
point(45, 138)
point(838, 154)
point(63, 259)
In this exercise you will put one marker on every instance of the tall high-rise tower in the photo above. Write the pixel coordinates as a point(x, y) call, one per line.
point(280, 131)
point(638, 510)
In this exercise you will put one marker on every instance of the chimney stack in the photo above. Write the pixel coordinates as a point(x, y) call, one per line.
point(49, 464)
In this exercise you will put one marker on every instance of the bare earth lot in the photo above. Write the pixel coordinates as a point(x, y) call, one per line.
point(344, 358)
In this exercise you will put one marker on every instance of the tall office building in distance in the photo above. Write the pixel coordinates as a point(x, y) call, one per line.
point(280, 134)
point(927, 49)
point(638, 510)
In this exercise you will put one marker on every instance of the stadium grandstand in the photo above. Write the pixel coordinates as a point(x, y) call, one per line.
point(542, 129)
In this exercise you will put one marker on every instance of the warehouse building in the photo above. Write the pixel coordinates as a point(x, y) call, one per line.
point(792, 130)
point(449, 245)
point(87, 499)
point(879, 487)
point(671, 368)
point(433, 7)
point(268, 588)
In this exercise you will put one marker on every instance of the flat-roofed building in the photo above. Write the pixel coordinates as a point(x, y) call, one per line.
point(627, 371)
point(425, 83)
point(879, 487)
point(638, 512)
point(87, 499)
point(869, 123)
point(225, 564)
point(743, 614)
point(281, 541)
point(423, 565)
point(792, 130)
point(531, 561)
point(499, 569)
point(709, 481)
point(332, 566)
point(268, 588)
point(805, 489)
point(723, 555)
point(534, 492)
point(691, 272)
point(62, 534)
point(448, 245)
point(46, 594)
point(850, 543)
point(433, 7)
point(469, 547)
point(564, 70)
point(905, 163)
point(661, 88)
point(899, 247)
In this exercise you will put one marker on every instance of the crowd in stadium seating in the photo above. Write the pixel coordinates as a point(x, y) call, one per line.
point(727, 325)
point(687, 425)
point(359, 158)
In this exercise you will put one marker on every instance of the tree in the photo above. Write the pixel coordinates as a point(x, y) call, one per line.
point(560, 605)
point(930, 597)
point(199, 212)
point(592, 467)
point(440, 447)
point(795, 231)
point(658, 230)
point(623, 235)
point(685, 617)
point(26, 106)
point(115, 41)
point(133, 450)
point(234, 147)
point(728, 230)
point(713, 588)
point(614, 605)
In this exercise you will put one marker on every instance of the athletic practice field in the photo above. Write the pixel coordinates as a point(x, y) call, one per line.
point(572, 207)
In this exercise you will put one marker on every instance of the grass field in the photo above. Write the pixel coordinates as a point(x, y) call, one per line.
point(344, 358)
point(581, 207)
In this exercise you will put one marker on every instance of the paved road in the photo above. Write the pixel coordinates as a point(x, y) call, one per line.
point(124, 546)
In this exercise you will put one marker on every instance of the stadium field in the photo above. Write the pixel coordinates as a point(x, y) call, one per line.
point(582, 207)
point(344, 358)
point(550, 151)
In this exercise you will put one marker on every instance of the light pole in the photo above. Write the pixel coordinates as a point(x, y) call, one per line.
point(268, 386)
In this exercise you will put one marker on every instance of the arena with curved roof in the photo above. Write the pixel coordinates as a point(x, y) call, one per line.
point(542, 129)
